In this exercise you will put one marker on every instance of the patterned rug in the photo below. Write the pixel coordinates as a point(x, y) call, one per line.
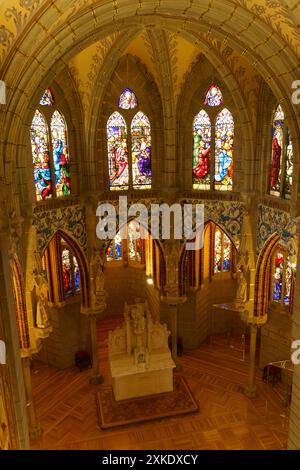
point(112, 413)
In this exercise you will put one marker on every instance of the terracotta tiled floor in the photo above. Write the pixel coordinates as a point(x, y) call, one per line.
point(66, 407)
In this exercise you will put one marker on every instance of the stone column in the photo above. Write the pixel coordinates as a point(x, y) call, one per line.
point(294, 419)
point(34, 428)
point(250, 389)
point(172, 303)
point(96, 377)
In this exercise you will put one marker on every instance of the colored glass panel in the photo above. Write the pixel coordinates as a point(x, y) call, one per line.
point(277, 149)
point(41, 157)
point(128, 99)
point(218, 251)
point(224, 150)
point(214, 96)
point(201, 151)
point(61, 159)
point(117, 152)
point(47, 98)
point(288, 165)
point(141, 151)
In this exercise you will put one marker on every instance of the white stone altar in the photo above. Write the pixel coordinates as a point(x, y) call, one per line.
point(139, 356)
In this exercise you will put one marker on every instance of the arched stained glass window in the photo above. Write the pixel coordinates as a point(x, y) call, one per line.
point(281, 175)
point(128, 99)
point(141, 151)
point(60, 155)
point(132, 249)
point(41, 157)
point(277, 151)
point(70, 271)
point(117, 152)
point(214, 96)
point(222, 252)
point(201, 151)
point(224, 138)
point(288, 165)
point(114, 251)
point(282, 278)
point(47, 98)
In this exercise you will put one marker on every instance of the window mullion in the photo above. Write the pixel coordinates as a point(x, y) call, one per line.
point(212, 155)
point(129, 143)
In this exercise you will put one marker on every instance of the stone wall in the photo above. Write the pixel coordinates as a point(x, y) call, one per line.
point(197, 318)
point(70, 334)
point(123, 283)
point(275, 344)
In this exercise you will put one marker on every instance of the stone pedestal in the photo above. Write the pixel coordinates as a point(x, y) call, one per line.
point(139, 356)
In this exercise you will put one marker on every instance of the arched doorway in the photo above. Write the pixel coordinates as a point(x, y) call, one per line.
point(134, 268)
point(65, 268)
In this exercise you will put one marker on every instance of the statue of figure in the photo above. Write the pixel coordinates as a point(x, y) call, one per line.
point(42, 320)
point(242, 287)
point(97, 279)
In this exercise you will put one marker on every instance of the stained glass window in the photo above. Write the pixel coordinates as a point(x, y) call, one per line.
point(288, 165)
point(66, 270)
point(226, 253)
point(115, 251)
point(222, 252)
point(214, 96)
point(47, 98)
point(60, 155)
point(134, 242)
point(128, 99)
point(283, 278)
point(76, 275)
point(201, 151)
point(218, 251)
point(70, 271)
point(117, 152)
point(41, 157)
point(141, 151)
point(224, 150)
point(132, 249)
point(277, 150)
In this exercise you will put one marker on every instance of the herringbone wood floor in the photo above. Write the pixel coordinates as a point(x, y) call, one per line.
point(66, 407)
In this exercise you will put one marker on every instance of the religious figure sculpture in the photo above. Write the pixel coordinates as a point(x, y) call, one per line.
point(242, 287)
point(139, 356)
point(42, 320)
point(98, 293)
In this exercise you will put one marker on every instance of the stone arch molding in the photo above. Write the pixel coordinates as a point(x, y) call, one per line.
point(70, 220)
point(68, 31)
point(227, 215)
point(273, 221)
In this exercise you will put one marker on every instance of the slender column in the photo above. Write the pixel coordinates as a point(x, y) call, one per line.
point(96, 377)
point(250, 389)
point(173, 309)
point(34, 428)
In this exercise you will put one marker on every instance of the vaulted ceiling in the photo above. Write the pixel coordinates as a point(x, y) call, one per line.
point(254, 39)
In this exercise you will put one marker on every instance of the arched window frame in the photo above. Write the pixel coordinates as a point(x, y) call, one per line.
point(52, 265)
point(213, 113)
point(122, 253)
point(47, 112)
point(128, 116)
point(287, 271)
point(286, 160)
point(232, 257)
